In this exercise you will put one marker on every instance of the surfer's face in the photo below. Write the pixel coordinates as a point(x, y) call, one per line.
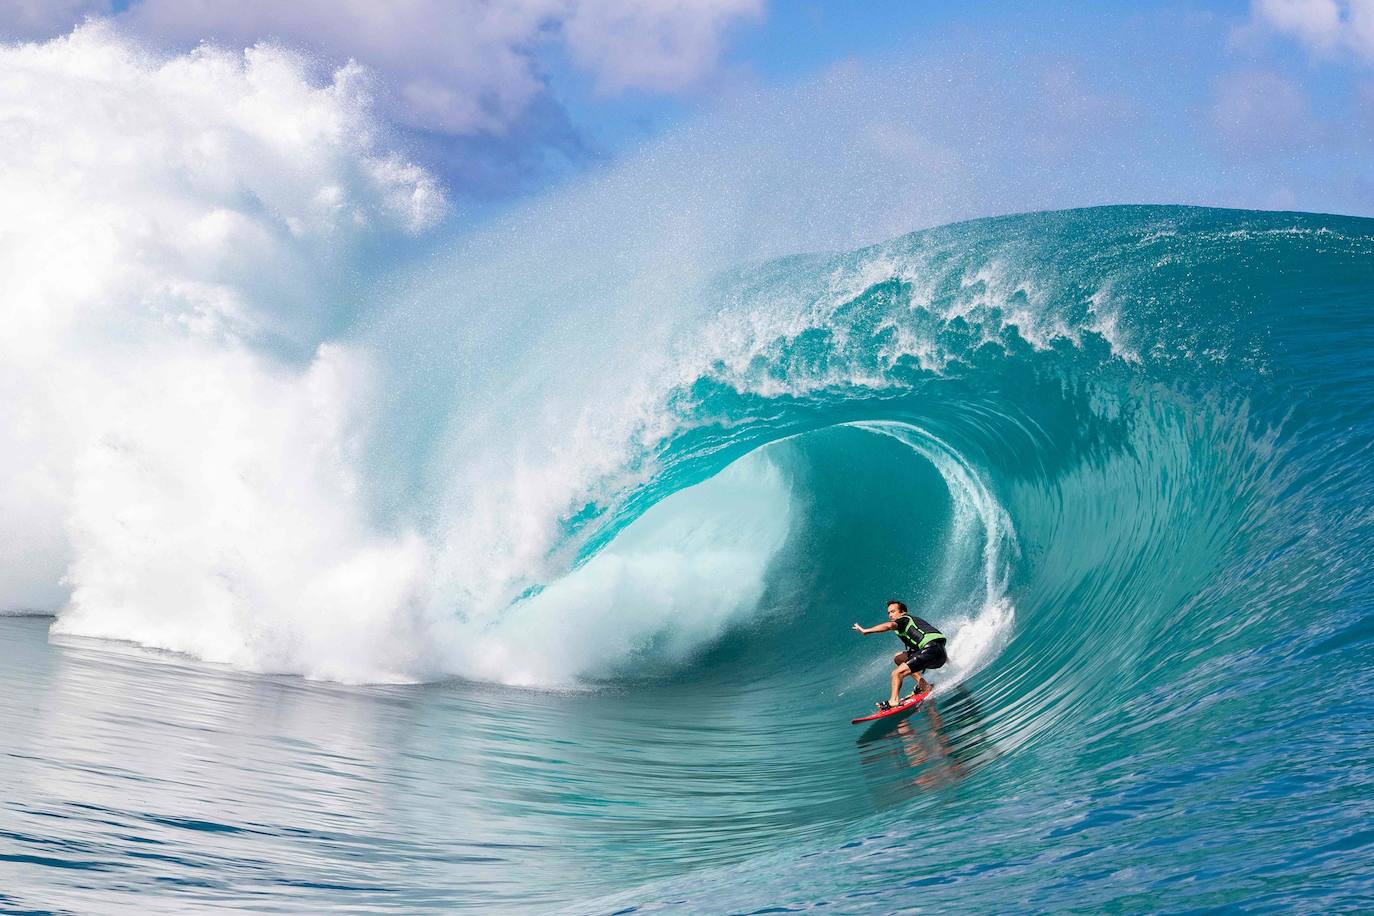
point(893, 612)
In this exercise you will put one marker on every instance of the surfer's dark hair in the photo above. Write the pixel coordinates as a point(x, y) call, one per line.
point(900, 606)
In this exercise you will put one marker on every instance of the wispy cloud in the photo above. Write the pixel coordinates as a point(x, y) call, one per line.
point(29, 19)
point(458, 67)
point(1325, 27)
point(1259, 112)
point(663, 45)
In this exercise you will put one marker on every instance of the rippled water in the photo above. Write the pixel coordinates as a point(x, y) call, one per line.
point(159, 784)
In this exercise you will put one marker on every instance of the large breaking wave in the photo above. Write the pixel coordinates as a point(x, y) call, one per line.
point(559, 454)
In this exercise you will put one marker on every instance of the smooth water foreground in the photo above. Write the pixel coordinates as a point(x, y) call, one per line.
point(1120, 455)
point(160, 784)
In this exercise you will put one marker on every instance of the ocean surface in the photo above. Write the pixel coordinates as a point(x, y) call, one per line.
point(564, 626)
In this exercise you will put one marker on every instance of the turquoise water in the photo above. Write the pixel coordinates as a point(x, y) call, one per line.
point(1121, 455)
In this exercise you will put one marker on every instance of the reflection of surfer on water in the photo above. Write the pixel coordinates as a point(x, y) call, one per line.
point(936, 748)
point(928, 752)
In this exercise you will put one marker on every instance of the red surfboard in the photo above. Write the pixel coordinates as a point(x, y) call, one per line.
point(906, 705)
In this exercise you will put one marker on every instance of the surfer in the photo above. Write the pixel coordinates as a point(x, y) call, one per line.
point(925, 649)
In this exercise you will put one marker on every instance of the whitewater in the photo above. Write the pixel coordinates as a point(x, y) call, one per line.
point(515, 570)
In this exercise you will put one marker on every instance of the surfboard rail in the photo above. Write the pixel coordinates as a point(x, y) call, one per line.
point(906, 705)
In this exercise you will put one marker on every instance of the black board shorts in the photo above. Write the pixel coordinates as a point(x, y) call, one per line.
point(932, 656)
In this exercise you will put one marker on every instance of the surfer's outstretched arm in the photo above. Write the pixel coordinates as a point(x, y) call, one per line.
point(880, 628)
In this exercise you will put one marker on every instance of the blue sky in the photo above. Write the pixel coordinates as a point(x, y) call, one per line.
point(1267, 103)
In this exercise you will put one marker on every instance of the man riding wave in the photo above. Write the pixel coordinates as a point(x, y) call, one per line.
point(925, 649)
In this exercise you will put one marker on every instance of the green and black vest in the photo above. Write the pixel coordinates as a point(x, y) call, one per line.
point(916, 633)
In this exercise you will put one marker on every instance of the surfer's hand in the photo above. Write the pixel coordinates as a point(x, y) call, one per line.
point(858, 629)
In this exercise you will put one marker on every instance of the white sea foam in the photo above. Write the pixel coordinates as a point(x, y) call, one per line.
point(167, 480)
point(178, 226)
point(670, 583)
point(171, 481)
